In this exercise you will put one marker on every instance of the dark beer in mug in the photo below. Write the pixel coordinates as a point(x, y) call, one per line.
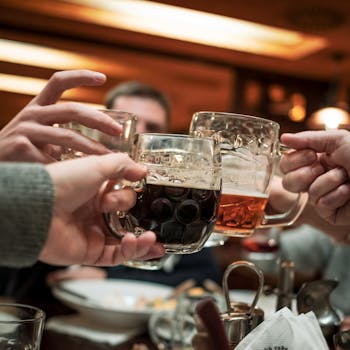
point(182, 217)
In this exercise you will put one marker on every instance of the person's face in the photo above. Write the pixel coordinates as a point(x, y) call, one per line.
point(151, 116)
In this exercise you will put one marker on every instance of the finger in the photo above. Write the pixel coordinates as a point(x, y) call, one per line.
point(61, 81)
point(144, 243)
point(20, 149)
point(144, 246)
point(333, 206)
point(41, 135)
point(120, 166)
point(328, 182)
point(95, 170)
point(297, 159)
point(129, 246)
point(76, 112)
point(319, 141)
point(301, 179)
point(120, 200)
point(156, 251)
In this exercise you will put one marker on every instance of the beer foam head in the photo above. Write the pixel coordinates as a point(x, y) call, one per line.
point(243, 192)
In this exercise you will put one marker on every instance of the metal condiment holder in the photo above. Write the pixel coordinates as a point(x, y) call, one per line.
point(241, 318)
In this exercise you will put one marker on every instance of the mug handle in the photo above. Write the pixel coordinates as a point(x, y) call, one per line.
point(290, 216)
point(112, 219)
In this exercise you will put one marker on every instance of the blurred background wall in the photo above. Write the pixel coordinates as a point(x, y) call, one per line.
point(294, 61)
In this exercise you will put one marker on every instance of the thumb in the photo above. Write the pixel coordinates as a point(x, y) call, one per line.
point(78, 180)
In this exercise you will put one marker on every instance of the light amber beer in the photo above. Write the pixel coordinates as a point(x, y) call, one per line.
point(240, 214)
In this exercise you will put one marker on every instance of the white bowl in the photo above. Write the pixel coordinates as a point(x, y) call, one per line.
point(122, 303)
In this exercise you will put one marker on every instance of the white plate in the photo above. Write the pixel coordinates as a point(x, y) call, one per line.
point(116, 302)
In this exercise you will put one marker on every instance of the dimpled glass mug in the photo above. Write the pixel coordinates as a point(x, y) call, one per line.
point(179, 197)
point(250, 149)
point(21, 327)
point(115, 143)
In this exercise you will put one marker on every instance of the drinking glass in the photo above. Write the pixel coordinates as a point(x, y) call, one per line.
point(179, 198)
point(250, 149)
point(115, 143)
point(21, 327)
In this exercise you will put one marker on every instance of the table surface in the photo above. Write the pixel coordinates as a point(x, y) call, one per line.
point(57, 341)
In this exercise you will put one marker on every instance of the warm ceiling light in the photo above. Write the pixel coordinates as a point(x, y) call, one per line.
point(32, 86)
point(198, 27)
point(329, 118)
point(21, 85)
point(47, 57)
point(40, 56)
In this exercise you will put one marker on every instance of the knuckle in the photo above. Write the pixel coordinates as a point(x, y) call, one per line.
point(24, 128)
point(344, 191)
point(29, 112)
point(295, 182)
point(67, 135)
point(21, 144)
point(57, 77)
point(335, 176)
point(72, 108)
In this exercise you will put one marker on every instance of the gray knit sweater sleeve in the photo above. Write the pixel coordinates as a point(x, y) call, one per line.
point(26, 205)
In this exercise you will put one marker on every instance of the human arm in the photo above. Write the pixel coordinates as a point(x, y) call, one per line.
point(75, 234)
point(26, 201)
point(30, 135)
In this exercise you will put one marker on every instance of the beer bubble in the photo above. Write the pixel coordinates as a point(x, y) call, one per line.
point(187, 211)
point(161, 208)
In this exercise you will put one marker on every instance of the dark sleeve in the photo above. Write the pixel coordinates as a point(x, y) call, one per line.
point(26, 205)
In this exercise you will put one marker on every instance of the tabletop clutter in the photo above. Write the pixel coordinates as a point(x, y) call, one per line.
point(306, 320)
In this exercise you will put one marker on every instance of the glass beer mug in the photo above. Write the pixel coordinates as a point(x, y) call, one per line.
point(179, 198)
point(249, 150)
point(115, 143)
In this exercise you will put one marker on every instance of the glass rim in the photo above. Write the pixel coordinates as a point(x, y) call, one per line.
point(228, 114)
point(40, 313)
point(132, 116)
point(183, 136)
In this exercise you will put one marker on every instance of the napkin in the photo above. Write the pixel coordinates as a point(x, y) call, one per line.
point(285, 330)
point(83, 327)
